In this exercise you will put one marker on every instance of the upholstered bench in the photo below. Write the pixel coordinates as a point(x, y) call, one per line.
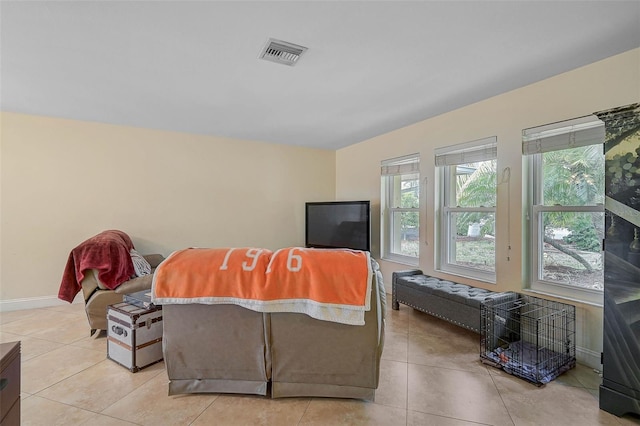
point(450, 301)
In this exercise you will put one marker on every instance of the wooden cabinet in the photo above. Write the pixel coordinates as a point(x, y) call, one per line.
point(10, 384)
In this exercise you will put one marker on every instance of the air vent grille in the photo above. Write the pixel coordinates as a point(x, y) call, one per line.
point(282, 52)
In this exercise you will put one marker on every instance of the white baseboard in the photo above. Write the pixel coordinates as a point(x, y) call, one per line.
point(588, 357)
point(34, 303)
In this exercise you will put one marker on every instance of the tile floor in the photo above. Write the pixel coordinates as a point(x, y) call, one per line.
point(430, 375)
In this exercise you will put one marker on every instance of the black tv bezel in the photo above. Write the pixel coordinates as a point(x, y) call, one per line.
point(321, 203)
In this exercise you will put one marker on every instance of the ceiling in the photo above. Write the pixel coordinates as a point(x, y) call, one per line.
point(371, 66)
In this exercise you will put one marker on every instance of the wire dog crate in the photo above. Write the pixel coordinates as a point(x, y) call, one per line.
point(529, 337)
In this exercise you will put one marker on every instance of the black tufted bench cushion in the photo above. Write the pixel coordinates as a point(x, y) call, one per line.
point(453, 302)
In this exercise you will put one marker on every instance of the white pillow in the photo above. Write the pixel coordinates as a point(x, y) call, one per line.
point(140, 264)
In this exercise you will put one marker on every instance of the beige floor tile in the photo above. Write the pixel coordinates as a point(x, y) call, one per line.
point(101, 420)
point(415, 418)
point(392, 387)
point(569, 378)
point(52, 367)
point(11, 316)
point(443, 384)
point(587, 376)
point(62, 327)
point(457, 351)
point(113, 381)
point(423, 323)
point(76, 330)
point(9, 337)
point(37, 411)
point(30, 347)
point(397, 321)
point(32, 320)
point(253, 410)
point(351, 412)
point(455, 393)
point(551, 404)
point(396, 346)
point(96, 342)
point(150, 405)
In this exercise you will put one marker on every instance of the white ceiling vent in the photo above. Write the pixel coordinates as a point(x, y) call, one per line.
point(282, 52)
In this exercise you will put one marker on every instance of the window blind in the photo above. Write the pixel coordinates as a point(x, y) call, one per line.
point(468, 152)
point(574, 133)
point(400, 165)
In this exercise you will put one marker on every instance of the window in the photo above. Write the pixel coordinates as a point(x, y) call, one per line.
point(400, 219)
point(566, 174)
point(467, 209)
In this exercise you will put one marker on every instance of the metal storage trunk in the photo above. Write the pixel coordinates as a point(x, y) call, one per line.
point(529, 337)
point(134, 335)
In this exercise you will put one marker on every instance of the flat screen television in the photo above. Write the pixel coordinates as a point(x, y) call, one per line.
point(338, 224)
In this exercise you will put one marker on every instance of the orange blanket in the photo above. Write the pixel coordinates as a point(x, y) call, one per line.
point(198, 275)
point(331, 285)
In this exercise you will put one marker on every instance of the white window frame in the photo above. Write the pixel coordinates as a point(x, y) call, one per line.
point(390, 171)
point(447, 160)
point(568, 134)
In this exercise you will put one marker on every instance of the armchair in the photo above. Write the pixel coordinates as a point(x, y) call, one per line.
point(103, 268)
point(97, 296)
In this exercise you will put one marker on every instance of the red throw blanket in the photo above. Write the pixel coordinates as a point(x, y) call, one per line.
point(108, 252)
point(331, 285)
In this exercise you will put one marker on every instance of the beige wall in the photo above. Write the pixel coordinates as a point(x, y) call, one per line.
point(602, 85)
point(64, 181)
